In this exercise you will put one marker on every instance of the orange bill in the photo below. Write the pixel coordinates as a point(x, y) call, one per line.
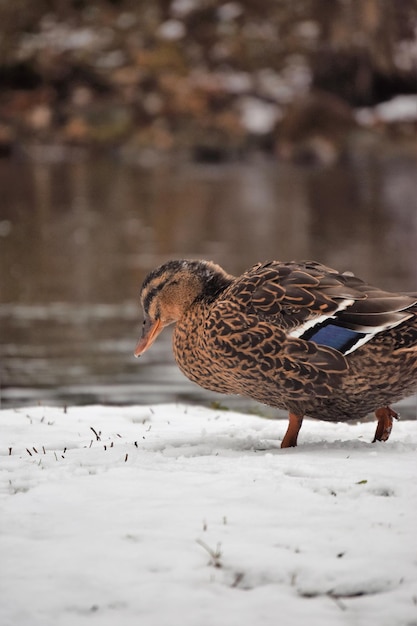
point(150, 332)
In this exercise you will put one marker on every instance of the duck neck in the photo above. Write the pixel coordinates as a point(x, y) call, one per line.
point(214, 281)
point(186, 339)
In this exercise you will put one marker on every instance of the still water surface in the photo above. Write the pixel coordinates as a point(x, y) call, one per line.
point(78, 236)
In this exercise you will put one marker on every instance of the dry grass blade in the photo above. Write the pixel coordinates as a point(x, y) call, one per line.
point(215, 555)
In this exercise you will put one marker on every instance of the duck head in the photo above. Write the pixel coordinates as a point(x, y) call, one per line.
point(168, 291)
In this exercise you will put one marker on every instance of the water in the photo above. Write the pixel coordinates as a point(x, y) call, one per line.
point(77, 237)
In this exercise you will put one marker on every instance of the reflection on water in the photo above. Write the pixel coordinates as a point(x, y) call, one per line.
point(77, 238)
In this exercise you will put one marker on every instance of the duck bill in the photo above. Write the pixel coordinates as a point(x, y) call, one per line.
point(150, 332)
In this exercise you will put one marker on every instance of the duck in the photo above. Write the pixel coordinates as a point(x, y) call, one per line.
point(298, 336)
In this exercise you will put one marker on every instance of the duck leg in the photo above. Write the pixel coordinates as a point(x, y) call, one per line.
point(294, 425)
point(385, 416)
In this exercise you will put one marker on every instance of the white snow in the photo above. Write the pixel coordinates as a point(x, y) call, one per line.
point(172, 30)
point(402, 108)
point(184, 515)
point(258, 116)
point(229, 11)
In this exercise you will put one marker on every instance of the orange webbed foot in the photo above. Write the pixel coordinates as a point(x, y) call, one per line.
point(290, 437)
point(385, 416)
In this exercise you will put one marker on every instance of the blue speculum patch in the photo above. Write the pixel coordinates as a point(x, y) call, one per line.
point(334, 336)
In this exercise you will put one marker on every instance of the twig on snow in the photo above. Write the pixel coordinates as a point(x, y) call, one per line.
point(98, 438)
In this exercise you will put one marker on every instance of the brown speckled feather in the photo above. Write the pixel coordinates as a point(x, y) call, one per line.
point(299, 336)
point(246, 344)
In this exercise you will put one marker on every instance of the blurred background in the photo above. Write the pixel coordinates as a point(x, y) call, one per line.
point(132, 132)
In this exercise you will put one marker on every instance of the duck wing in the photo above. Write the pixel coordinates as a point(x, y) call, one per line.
point(296, 322)
point(306, 298)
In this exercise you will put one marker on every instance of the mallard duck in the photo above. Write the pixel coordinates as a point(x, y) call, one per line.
point(298, 336)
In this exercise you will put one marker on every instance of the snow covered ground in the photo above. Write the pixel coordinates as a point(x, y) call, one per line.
point(167, 515)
